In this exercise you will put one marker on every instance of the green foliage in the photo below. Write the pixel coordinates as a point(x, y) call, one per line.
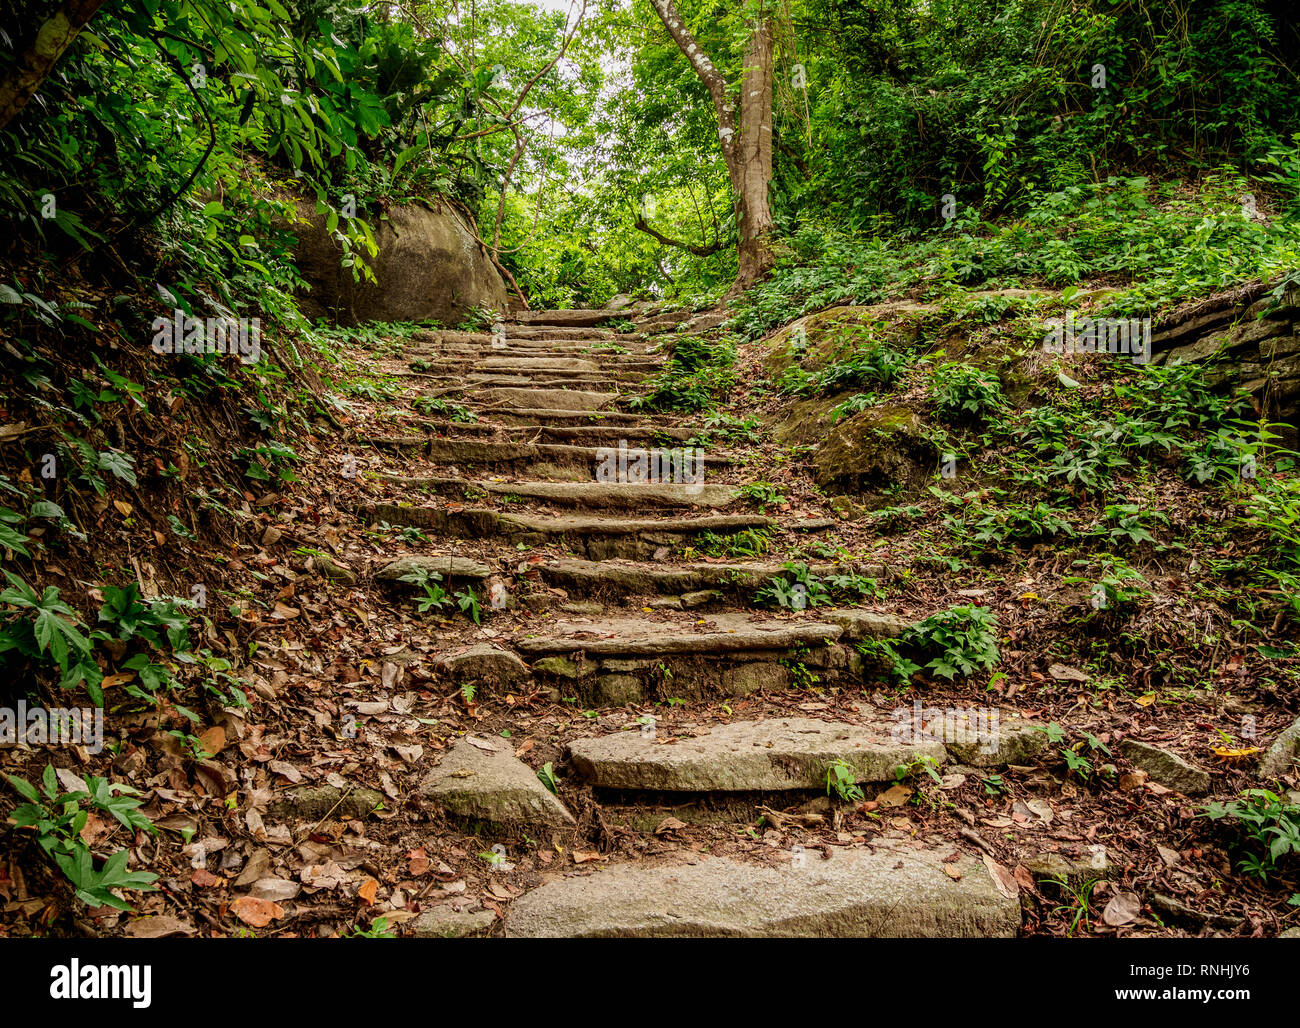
point(961, 640)
point(57, 819)
point(762, 494)
point(841, 781)
point(799, 589)
point(44, 628)
point(1267, 821)
point(960, 390)
point(694, 377)
point(1114, 586)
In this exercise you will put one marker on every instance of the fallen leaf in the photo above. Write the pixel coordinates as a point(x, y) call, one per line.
point(368, 891)
point(895, 796)
point(257, 913)
point(1003, 880)
point(213, 740)
point(586, 857)
point(1123, 908)
point(158, 927)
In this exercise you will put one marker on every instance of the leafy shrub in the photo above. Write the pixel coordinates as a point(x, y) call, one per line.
point(58, 817)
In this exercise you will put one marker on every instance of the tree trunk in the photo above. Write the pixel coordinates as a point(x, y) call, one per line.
point(32, 68)
point(747, 152)
point(754, 217)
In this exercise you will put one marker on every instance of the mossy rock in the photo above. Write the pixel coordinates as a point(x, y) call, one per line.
point(875, 449)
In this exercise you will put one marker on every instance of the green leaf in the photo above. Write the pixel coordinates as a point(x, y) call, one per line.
point(24, 788)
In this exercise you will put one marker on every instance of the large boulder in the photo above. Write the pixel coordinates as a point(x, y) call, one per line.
point(429, 267)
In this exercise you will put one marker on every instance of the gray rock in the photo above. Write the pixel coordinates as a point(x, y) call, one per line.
point(748, 678)
point(446, 923)
point(447, 566)
point(731, 632)
point(893, 892)
point(617, 690)
point(428, 267)
point(1014, 741)
point(618, 495)
point(1280, 757)
point(313, 802)
point(865, 624)
point(562, 667)
point(485, 661)
point(784, 753)
point(700, 598)
point(1071, 862)
point(484, 780)
point(588, 607)
point(1167, 769)
point(333, 569)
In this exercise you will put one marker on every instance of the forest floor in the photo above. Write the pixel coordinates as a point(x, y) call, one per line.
point(451, 568)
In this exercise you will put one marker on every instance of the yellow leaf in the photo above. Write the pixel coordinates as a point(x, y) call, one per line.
point(1146, 699)
point(122, 508)
point(1230, 754)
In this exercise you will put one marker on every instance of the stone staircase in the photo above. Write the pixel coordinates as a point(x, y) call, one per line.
point(628, 595)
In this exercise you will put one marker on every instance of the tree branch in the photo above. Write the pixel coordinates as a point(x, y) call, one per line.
point(695, 248)
point(705, 69)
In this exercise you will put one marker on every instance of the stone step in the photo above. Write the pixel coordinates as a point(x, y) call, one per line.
point(516, 330)
point(595, 537)
point(482, 780)
point(491, 451)
point(748, 756)
point(551, 399)
point(605, 349)
point(628, 579)
point(445, 383)
point(448, 566)
point(894, 889)
point(576, 317)
point(730, 632)
point(599, 435)
point(591, 495)
point(516, 364)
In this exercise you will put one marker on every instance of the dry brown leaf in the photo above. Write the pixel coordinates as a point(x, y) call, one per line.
point(213, 740)
point(895, 796)
point(257, 913)
point(1123, 908)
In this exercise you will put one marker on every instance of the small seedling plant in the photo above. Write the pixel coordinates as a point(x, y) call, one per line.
point(57, 819)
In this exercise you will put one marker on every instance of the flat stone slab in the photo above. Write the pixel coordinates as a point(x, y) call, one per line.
point(589, 526)
point(485, 661)
point(447, 566)
point(446, 923)
point(553, 399)
point(514, 363)
point(665, 578)
point(483, 779)
point(893, 892)
point(617, 495)
point(747, 756)
point(575, 317)
point(1168, 769)
point(730, 632)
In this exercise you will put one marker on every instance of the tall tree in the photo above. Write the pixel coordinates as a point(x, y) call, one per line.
point(744, 131)
point(52, 39)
